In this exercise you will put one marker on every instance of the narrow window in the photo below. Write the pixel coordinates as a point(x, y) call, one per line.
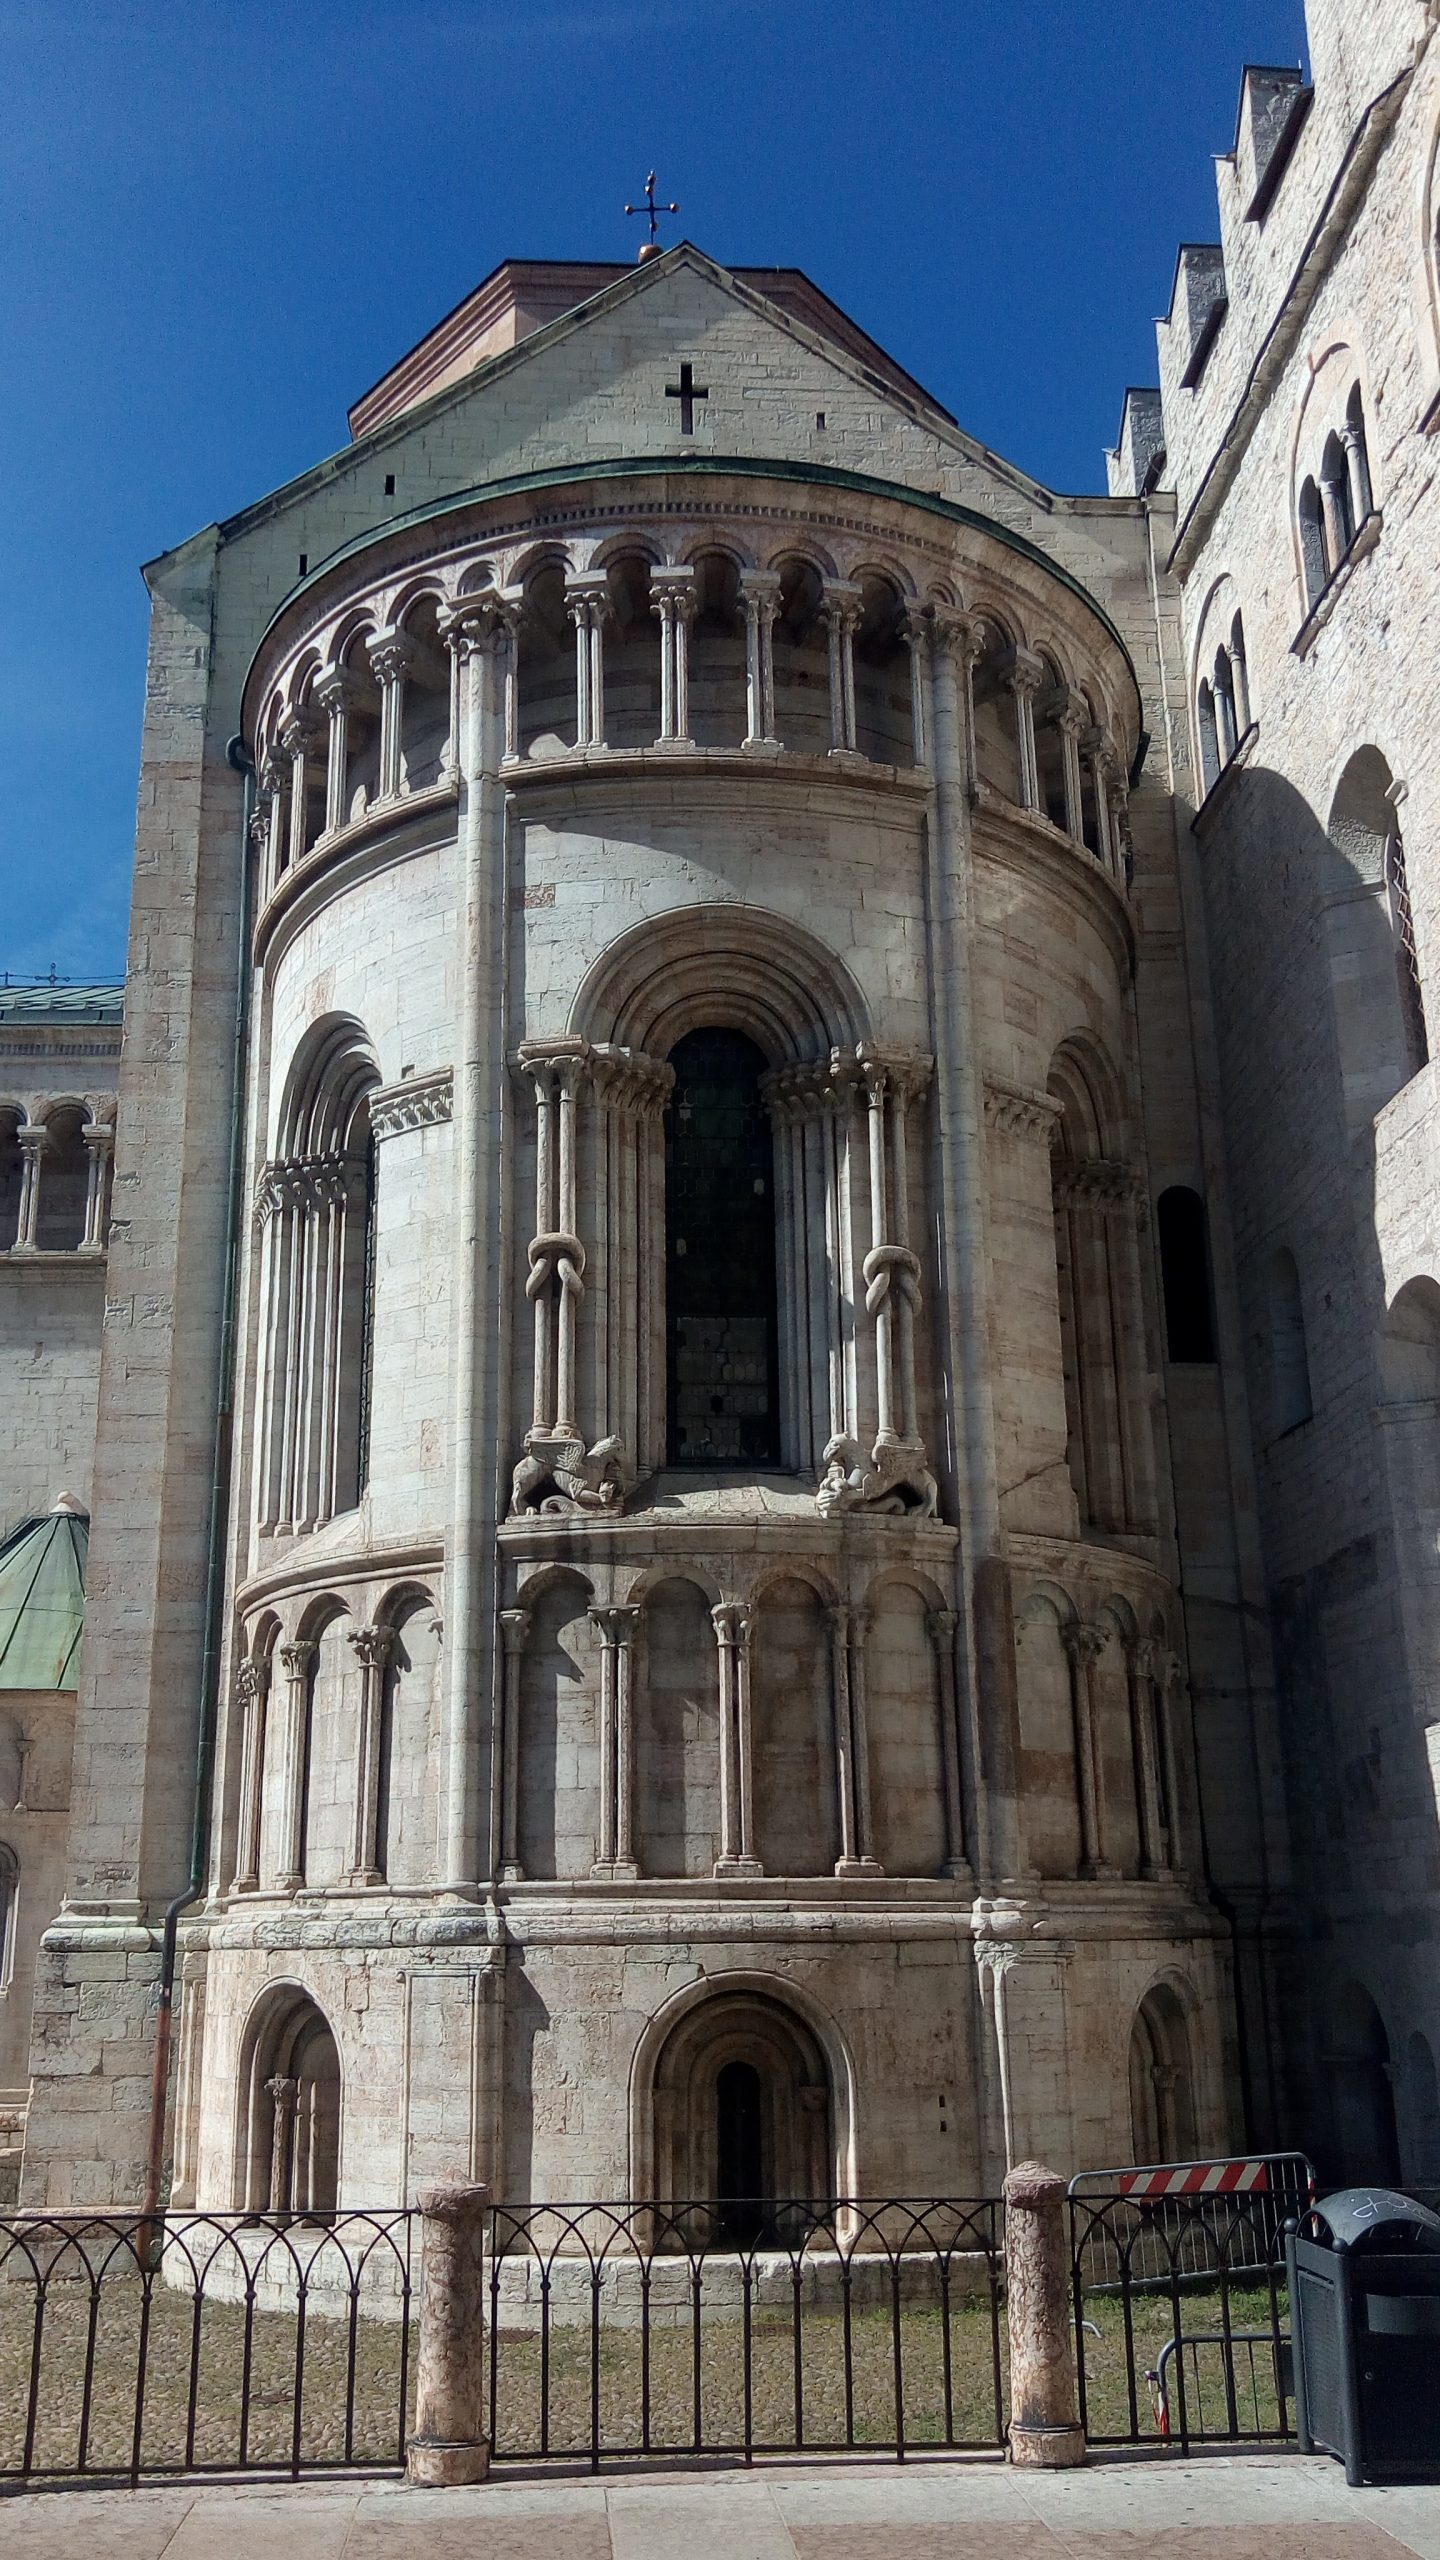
point(1185, 1275)
point(1312, 543)
point(720, 1257)
point(1289, 1358)
point(1209, 740)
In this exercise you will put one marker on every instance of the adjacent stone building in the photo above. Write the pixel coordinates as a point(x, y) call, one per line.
point(709, 1578)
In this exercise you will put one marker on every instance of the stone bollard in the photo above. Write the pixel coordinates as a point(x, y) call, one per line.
point(1045, 2430)
point(449, 2448)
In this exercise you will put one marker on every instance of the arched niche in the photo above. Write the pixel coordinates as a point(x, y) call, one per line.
point(331, 1770)
point(1182, 1230)
point(801, 661)
point(288, 2153)
point(717, 653)
point(677, 1738)
point(64, 1178)
point(632, 655)
point(317, 1207)
point(884, 704)
point(1291, 1401)
point(1376, 995)
point(559, 1775)
point(903, 1706)
point(1163, 2122)
point(744, 967)
point(545, 667)
point(796, 1791)
point(1049, 1802)
point(407, 1812)
point(997, 727)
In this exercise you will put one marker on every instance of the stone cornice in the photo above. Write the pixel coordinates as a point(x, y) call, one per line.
point(1017, 1111)
point(418, 1103)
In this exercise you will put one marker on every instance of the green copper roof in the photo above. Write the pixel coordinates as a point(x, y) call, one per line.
point(42, 1599)
point(60, 1004)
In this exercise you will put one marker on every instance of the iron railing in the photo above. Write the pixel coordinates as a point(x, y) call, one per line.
point(1182, 2316)
point(136, 2346)
point(855, 2327)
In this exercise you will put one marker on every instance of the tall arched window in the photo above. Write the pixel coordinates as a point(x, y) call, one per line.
point(720, 1256)
point(317, 1201)
point(64, 1181)
point(1097, 1274)
point(1185, 1274)
point(1290, 1398)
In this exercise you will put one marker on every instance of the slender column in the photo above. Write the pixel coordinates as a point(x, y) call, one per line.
point(390, 654)
point(252, 1688)
point(760, 596)
point(1335, 542)
point(1097, 751)
point(731, 1621)
point(839, 1617)
point(942, 1624)
point(1045, 2431)
point(514, 1635)
point(1357, 471)
point(860, 1623)
point(339, 693)
point(1070, 721)
point(917, 640)
point(272, 796)
point(468, 1740)
point(672, 597)
point(300, 740)
point(1023, 674)
point(1141, 1660)
point(841, 608)
point(283, 2093)
point(34, 1143)
point(537, 1288)
point(907, 1272)
point(373, 1647)
point(616, 1627)
point(295, 1660)
point(578, 608)
point(570, 1264)
point(1118, 814)
point(1170, 1682)
point(1084, 1646)
point(99, 1140)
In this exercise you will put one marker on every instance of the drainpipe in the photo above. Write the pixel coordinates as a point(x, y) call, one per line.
point(239, 759)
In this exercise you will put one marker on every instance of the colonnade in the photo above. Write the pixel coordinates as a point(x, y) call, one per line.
point(314, 1217)
point(1151, 1673)
point(36, 1141)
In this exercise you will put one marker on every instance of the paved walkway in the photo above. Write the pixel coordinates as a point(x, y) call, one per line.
point(1232, 2507)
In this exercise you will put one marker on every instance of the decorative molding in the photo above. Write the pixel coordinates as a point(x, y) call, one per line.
point(419, 1103)
point(1092, 1182)
point(1017, 1111)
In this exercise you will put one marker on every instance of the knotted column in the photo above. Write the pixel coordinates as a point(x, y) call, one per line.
point(556, 1283)
point(731, 1621)
point(1045, 2429)
point(760, 597)
point(891, 1271)
point(34, 1142)
point(449, 2448)
point(99, 1140)
point(295, 1660)
point(372, 1647)
point(252, 1688)
point(1141, 1663)
point(672, 597)
point(840, 604)
point(1084, 1646)
point(616, 1627)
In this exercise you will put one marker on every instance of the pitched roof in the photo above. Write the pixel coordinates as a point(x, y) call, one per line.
point(42, 1599)
point(48, 1003)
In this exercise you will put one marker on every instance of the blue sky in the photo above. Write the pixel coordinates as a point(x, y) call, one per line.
point(223, 220)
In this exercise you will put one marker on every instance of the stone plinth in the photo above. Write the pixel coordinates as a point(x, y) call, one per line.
point(1045, 2429)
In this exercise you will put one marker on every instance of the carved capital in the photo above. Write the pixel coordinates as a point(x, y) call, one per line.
point(1092, 1182)
point(252, 1678)
point(514, 1630)
point(391, 654)
point(1144, 1657)
point(617, 1625)
point(731, 1622)
point(1023, 672)
point(942, 1624)
point(373, 1646)
point(1084, 1644)
point(297, 1656)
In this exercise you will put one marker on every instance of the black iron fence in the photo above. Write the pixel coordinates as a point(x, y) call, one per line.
point(134, 2347)
point(1182, 2316)
point(861, 2327)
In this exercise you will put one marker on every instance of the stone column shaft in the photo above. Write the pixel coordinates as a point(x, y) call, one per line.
point(514, 1632)
point(1084, 1646)
point(34, 1143)
point(373, 1647)
point(1044, 2421)
point(252, 1683)
point(295, 1661)
point(99, 1140)
point(942, 1624)
point(732, 1635)
point(449, 2448)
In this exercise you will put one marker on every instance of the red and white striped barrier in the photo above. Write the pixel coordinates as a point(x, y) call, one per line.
point(1199, 2178)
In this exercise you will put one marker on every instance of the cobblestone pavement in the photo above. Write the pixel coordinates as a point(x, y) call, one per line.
point(1259, 2507)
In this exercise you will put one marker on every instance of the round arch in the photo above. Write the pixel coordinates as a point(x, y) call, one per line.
point(681, 2051)
point(731, 967)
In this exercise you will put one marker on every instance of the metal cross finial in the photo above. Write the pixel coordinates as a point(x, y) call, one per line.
point(650, 206)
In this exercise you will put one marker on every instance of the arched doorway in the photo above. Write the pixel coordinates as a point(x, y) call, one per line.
point(743, 2116)
point(722, 1366)
point(291, 2162)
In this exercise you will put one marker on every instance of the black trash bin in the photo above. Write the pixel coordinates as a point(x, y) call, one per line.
point(1365, 2318)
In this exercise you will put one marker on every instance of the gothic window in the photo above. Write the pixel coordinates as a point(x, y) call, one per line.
point(291, 2153)
point(1162, 2098)
point(317, 1201)
point(1185, 1275)
point(802, 666)
point(884, 713)
point(1313, 549)
point(1290, 1397)
point(722, 1364)
point(717, 654)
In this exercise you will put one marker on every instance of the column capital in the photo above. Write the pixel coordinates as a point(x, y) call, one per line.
point(1144, 1657)
point(841, 602)
point(300, 735)
point(1083, 1643)
point(252, 1677)
point(731, 1622)
point(953, 632)
point(474, 625)
point(33, 1137)
point(760, 588)
point(942, 1624)
point(616, 1623)
point(297, 1655)
point(344, 689)
point(390, 654)
point(99, 1136)
point(373, 1646)
point(1022, 671)
point(514, 1629)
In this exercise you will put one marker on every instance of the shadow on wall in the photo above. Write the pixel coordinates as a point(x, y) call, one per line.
point(1321, 1023)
